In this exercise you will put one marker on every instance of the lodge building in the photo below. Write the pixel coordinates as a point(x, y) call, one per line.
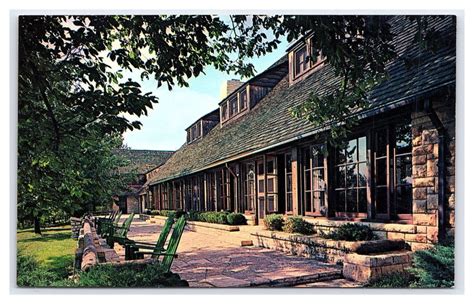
point(394, 172)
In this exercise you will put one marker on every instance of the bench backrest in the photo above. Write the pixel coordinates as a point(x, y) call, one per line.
point(160, 244)
point(173, 243)
point(122, 231)
point(117, 217)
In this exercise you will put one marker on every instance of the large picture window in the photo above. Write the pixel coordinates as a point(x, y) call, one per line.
point(351, 178)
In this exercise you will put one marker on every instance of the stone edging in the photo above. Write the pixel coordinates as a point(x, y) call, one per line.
point(194, 224)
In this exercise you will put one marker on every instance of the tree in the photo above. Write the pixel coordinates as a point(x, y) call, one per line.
point(72, 92)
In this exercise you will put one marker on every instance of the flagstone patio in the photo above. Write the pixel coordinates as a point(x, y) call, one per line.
point(215, 261)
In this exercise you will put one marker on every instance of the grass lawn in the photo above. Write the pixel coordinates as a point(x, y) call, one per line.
point(54, 250)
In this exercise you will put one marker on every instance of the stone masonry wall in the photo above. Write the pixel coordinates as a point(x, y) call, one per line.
point(425, 174)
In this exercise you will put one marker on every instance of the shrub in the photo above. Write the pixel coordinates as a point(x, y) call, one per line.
point(150, 275)
point(296, 224)
point(351, 232)
point(168, 213)
point(155, 212)
point(179, 213)
point(193, 215)
point(216, 217)
point(273, 222)
point(236, 219)
point(392, 280)
point(31, 274)
point(433, 268)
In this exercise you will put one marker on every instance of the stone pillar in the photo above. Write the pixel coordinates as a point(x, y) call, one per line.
point(425, 159)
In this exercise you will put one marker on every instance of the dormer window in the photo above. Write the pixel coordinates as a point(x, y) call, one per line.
point(235, 104)
point(301, 61)
point(194, 132)
point(243, 99)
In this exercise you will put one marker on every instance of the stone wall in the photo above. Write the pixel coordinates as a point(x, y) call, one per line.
point(91, 249)
point(425, 173)
point(76, 225)
point(132, 204)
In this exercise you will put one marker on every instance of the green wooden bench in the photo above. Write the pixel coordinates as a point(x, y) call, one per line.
point(116, 233)
point(132, 248)
point(167, 255)
point(105, 224)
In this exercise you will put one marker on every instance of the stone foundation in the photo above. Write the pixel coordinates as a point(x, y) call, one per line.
point(76, 224)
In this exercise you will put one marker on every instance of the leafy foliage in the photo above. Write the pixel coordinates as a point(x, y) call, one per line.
point(274, 222)
point(236, 219)
point(31, 274)
point(296, 224)
point(433, 268)
point(150, 275)
point(351, 232)
point(392, 280)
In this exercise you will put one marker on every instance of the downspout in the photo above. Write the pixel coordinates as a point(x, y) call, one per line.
point(442, 135)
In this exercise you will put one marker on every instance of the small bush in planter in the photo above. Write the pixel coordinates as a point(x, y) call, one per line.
point(273, 222)
point(194, 215)
point(155, 212)
point(351, 232)
point(236, 219)
point(296, 224)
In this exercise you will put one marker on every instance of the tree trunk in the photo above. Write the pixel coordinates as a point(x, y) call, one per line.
point(37, 225)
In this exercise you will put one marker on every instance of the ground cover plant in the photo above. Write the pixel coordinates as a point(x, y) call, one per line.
point(351, 232)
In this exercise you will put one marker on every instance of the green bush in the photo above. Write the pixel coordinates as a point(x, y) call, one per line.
point(150, 275)
point(216, 217)
point(433, 268)
point(392, 280)
point(193, 215)
point(236, 219)
point(273, 222)
point(296, 224)
point(155, 212)
point(351, 232)
point(168, 213)
point(31, 274)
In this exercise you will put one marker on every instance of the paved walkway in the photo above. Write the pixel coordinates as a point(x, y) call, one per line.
point(211, 261)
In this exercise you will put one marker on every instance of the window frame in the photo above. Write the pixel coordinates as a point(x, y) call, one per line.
point(311, 168)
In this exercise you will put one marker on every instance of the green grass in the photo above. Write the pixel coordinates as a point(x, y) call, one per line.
point(54, 250)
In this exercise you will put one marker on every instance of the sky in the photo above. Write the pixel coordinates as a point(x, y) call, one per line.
point(164, 127)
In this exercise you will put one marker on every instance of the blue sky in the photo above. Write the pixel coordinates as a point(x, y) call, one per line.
point(163, 128)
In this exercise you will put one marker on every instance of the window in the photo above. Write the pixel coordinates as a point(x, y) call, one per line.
point(233, 108)
point(243, 99)
point(272, 186)
point(393, 171)
point(224, 114)
point(314, 181)
point(288, 184)
point(301, 61)
point(249, 187)
point(351, 179)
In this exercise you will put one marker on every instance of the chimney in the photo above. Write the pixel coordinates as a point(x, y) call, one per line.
point(229, 86)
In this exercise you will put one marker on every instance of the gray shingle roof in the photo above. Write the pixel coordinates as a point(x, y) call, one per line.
point(141, 161)
point(270, 122)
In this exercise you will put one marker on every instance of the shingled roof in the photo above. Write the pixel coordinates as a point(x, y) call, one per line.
point(141, 161)
point(270, 123)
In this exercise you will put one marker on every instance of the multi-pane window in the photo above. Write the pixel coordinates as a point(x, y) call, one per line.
point(314, 180)
point(249, 187)
point(403, 170)
point(351, 178)
point(301, 61)
point(272, 186)
point(243, 99)
point(224, 112)
point(393, 171)
point(288, 184)
point(233, 106)
point(224, 196)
